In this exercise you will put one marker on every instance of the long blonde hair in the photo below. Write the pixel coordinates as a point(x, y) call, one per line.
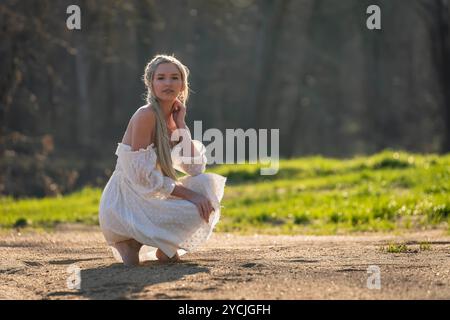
point(162, 138)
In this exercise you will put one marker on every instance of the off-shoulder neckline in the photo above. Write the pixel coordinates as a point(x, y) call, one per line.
point(127, 146)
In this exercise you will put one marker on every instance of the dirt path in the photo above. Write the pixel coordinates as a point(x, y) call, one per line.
point(34, 266)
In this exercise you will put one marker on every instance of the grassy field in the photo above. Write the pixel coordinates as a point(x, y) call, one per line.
point(389, 191)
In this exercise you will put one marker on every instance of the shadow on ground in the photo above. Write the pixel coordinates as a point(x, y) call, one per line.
point(117, 281)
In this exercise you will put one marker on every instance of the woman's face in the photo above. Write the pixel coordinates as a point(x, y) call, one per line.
point(167, 81)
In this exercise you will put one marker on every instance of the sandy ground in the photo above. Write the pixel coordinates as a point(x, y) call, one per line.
point(37, 266)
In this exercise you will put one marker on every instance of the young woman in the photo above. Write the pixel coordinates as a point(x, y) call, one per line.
point(144, 203)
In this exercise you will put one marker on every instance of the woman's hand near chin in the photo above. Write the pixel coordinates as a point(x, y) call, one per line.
point(179, 113)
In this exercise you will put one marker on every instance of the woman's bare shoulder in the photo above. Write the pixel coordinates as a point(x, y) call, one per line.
point(141, 122)
point(144, 115)
point(145, 110)
point(142, 128)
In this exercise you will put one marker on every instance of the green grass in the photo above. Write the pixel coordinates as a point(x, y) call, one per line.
point(403, 248)
point(389, 191)
point(397, 248)
point(80, 207)
point(424, 246)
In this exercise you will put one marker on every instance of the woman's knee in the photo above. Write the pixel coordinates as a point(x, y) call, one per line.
point(206, 179)
point(200, 183)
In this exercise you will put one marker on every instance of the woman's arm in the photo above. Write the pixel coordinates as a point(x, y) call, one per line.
point(202, 203)
point(179, 115)
point(194, 152)
point(183, 192)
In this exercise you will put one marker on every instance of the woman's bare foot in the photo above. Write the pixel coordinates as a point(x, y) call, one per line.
point(129, 251)
point(164, 258)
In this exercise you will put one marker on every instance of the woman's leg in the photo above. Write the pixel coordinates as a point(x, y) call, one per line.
point(204, 184)
point(164, 258)
point(129, 251)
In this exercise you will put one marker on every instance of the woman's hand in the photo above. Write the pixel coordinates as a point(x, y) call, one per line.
point(203, 205)
point(179, 113)
point(200, 201)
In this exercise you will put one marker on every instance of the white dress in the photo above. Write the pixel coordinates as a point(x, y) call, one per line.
point(136, 202)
